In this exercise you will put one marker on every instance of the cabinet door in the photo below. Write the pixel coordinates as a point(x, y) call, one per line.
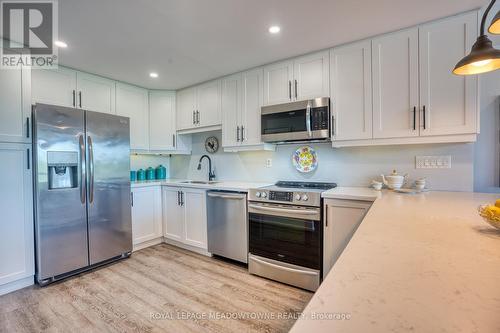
point(395, 84)
point(132, 102)
point(311, 76)
point(450, 100)
point(252, 100)
point(351, 97)
point(209, 109)
point(146, 214)
point(54, 86)
point(231, 110)
point(342, 218)
point(278, 83)
point(15, 105)
point(95, 93)
point(162, 120)
point(16, 205)
point(195, 225)
point(186, 105)
point(173, 214)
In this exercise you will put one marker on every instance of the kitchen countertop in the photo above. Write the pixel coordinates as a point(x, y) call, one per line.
point(220, 185)
point(417, 263)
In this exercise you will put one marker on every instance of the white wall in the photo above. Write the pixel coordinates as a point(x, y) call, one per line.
point(486, 157)
point(345, 166)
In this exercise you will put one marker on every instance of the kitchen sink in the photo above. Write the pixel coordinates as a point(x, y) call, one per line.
point(204, 182)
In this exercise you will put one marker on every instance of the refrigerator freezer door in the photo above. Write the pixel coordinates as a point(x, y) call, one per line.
point(61, 217)
point(108, 186)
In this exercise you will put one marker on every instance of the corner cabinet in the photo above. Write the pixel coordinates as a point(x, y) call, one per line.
point(199, 108)
point(297, 79)
point(16, 225)
point(416, 98)
point(146, 215)
point(341, 219)
point(132, 102)
point(185, 216)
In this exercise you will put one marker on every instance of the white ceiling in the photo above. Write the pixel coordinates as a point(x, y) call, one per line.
point(190, 41)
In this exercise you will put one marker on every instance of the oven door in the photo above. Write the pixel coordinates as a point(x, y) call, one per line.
point(286, 233)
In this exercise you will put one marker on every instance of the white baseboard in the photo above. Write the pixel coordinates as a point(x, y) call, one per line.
point(187, 247)
point(146, 244)
point(16, 285)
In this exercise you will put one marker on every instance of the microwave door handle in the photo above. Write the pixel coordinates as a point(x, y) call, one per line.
point(308, 119)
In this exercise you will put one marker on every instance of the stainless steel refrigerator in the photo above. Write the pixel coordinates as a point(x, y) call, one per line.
point(82, 190)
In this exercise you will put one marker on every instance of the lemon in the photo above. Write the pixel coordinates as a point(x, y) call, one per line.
point(497, 203)
point(493, 211)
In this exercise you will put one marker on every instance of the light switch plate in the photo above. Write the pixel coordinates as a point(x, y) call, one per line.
point(269, 162)
point(433, 162)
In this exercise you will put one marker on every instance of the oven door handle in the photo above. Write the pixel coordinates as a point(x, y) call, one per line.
point(308, 118)
point(298, 212)
point(289, 226)
point(283, 268)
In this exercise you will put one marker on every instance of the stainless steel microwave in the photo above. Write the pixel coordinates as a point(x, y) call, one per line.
point(297, 121)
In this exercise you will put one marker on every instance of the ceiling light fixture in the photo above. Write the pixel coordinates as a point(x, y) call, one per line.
point(495, 25)
point(153, 75)
point(59, 43)
point(274, 29)
point(483, 57)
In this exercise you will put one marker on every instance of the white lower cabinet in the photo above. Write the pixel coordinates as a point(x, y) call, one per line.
point(16, 223)
point(185, 216)
point(341, 219)
point(146, 214)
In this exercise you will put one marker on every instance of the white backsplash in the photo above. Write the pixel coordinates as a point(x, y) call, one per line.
point(345, 166)
point(145, 161)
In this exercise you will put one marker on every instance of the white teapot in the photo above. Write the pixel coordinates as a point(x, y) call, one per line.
point(394, 181)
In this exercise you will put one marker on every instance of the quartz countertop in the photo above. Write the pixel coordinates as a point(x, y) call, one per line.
point(219, 185)
point(417, 263)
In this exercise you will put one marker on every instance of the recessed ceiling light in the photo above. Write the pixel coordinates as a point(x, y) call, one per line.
point(62, 44)
point(153, 75)
point(274, 29)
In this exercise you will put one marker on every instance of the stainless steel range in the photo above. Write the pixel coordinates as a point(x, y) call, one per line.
point(286, 232)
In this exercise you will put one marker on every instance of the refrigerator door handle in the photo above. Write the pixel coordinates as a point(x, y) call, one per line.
point(91, 170)
point(83, 181)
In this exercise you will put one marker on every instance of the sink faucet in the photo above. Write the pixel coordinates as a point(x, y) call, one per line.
point(211, 174)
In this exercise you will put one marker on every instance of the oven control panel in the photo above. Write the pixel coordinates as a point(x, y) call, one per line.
point(296, 198)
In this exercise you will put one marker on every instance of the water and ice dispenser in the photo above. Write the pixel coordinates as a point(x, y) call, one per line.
point(62, 169)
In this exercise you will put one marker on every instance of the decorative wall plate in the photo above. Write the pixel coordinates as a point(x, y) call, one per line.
point(304, 159)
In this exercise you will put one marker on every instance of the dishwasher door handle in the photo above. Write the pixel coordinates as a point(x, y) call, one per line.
point(227, 196)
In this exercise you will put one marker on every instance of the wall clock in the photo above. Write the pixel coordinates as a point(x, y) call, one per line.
point(211, 144)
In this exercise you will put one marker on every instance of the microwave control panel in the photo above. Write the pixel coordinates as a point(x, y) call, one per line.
point(320, 118)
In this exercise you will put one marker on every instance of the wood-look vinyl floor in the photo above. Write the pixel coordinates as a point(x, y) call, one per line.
point(159, 289)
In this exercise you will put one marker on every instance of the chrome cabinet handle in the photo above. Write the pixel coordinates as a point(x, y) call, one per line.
point(333, 125)
point(414, 118)
point(194, 117)
point(424, 115)
point(237, 133)
point(198, 117)
point(290, 90)
point(28, 127)
point(178, 198)
point(28, 159)
point(132, 198)
point(173, 140)
point(182, 198)
point(74, 98)
point(296, 94)
point(308, 119)
point(242, 133)
point(83, 168)
point(91, 169)
point(80, 98)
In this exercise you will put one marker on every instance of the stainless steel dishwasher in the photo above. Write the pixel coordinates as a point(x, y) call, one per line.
point(228, 225)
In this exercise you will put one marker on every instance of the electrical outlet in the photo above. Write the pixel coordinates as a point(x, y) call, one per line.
point(433, 162)
point(269, 162)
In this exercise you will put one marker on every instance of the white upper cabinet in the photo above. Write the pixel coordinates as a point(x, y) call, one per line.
point(395, 84)
point(16, 205)
point(54, 86)
point(162, 132)
point(351, 91)
point(311, 76)
point(278, 83)
point(95, 93)
point(15, 105)
point(132, 102)
point(208, 106)
point(252, 100)
point(231, 110)
point(450, 101)
point(186, 108)
point(297, 79)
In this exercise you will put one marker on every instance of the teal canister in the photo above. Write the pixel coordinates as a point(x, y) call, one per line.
point(133, 175)
point(150, 173)
point(161, 172)
point(141, 175)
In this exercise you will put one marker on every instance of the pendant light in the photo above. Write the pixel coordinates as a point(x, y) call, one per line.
point(483, 57)
point(495, 25)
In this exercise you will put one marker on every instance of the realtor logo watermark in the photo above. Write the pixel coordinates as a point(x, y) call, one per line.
point(28, 31)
